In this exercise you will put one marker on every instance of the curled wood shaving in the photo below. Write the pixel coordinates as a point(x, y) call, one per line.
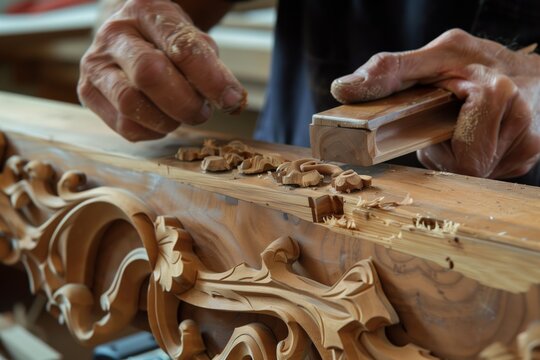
point(322, 168)
point(214, 163)
point(233, 160)
point(302, 179)
point(305, 172)
point(239, 148)
point(378, 203)
point(259, 164)
point(210, 148)
point(342, 222)
point(349, 181)
point(290, 173)
point(189, 154)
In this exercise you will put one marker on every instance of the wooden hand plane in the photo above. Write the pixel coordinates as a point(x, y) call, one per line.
point(373, 132)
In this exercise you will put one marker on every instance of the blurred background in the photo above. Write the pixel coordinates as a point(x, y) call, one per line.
point(41, 43)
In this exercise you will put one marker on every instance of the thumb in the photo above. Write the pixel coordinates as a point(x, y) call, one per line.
point(377, 78)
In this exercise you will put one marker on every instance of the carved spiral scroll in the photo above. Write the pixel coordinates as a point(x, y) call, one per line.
point(57, 232)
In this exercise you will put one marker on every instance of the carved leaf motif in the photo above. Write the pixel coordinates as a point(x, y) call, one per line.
point(168, 264)
point(175, 268)
point(331, 317)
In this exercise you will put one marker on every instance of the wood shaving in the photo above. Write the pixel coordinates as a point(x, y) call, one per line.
point(445, 227)
point(399, 235)
point(349, 180)
point(342, 222)
point(214, 164)
point(378, 203)
point(259, 164)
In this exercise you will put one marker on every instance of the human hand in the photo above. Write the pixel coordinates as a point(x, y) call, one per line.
point(497, 133)
point(149, 69)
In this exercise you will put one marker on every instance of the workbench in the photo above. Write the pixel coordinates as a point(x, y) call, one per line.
point(227, 265)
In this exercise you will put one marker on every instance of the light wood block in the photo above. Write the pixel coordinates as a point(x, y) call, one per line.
point(373, 132)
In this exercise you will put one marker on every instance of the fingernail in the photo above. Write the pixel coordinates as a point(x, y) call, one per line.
point(206, 110)
point(231, 99)
point(351, 79)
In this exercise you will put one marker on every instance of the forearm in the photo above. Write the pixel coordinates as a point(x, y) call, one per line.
point(204, 13)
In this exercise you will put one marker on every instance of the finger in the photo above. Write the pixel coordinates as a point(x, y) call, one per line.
point(95, 101)
point(520, 157)
point(386, 73)
point(130, 103)
point(521, 144)
point(193, 53)
point(153, 74)
point(438, 157)
point(478, 143)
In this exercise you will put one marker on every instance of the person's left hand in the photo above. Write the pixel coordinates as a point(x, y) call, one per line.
point(497, 133)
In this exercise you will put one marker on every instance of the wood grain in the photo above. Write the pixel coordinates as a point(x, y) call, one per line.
point(498, 220)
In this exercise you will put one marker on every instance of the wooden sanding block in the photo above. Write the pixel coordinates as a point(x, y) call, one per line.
point(373, 132)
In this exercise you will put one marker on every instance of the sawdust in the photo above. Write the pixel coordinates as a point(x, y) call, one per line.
point(355, 92)
point(467, 123)
point(187, 38)
point(437, 173)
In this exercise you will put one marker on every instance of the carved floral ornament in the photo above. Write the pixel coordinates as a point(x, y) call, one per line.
point(56, 228)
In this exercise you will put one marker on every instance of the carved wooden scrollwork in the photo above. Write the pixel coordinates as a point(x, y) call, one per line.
point(57, 232)
point(342, 321)
point(93, 252)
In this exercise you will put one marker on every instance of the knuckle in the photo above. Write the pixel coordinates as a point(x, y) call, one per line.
point(455, 36)
point(128, 101)
point(148, 68)
point(185, 43)
point(109, 30)
point(503, 85)
point(84, 91)
point(453, 39)
point(384, 60)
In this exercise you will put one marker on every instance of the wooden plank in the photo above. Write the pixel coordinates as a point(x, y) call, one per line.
point(384, 129)
point(497, 220)
point(441, 309)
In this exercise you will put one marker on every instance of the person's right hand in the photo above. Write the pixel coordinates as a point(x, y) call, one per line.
point(150, 69)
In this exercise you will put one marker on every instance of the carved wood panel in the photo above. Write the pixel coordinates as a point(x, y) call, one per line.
point(94, 251)
point(56, 229)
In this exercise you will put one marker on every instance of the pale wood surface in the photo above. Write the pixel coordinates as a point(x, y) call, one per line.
point(498, 220)
point(374, 114)
point(376, 131)
point(454, 312)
